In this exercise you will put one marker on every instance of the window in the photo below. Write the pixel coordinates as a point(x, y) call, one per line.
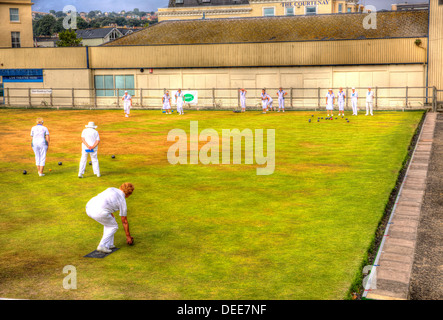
point(14, 15)
point(179, 1)
point(114, 35)
point(269, 12)
point(340, 8)
point(206, 0)
point(349, 10)
point(15, 39)
point(290, 11)
point(124, 83)
point(440, 2)
point(311, 10)
point(105, 85)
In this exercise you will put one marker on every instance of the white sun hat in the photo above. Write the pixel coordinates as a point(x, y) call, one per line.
point(91, 125)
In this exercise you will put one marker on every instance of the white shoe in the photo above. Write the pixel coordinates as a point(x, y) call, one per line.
point(99, 175)
point(126, 116)
point(112, 247)
point(41, 174)
point(103, 249)
point(80, 176)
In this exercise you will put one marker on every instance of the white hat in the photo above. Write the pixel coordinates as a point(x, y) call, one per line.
point(91, 125)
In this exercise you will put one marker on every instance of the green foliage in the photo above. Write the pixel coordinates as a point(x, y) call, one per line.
point(45, 26)
point(68, 38)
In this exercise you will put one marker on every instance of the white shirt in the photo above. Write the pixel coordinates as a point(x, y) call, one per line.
point(38, 134)
point(370, 96)
point(341, 96)
point(109, 201)
point(179, 97)
point(91, 136)
point(264, 96)
point(330, 98)
point(243, 95)
point(166, 98)
point(269, 97)
point(354, 95)
point(127, 97)
point(281, 94)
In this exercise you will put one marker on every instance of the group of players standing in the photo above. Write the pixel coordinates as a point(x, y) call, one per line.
point(330, 101)
point(267, 101)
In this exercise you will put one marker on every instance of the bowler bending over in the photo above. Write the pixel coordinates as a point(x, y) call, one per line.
point(101, 209)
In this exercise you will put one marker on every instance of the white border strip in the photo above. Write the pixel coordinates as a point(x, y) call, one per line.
point(380, 249)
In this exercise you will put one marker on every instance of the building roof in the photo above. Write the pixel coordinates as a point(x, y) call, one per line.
point(392, 24)
point(125, 31)
point(200, 3)
point(94, 33)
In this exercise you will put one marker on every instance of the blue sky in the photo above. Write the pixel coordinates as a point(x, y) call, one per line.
point(146, 5)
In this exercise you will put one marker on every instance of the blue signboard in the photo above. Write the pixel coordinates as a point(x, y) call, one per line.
point(21, 72)
point(22, 75)
point(7, 79)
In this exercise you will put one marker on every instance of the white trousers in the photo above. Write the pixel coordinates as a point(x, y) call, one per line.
point(354, 107)
point(127, 107)
point(341, 106)
point(110, 226)
point(243, 103)
point(369, 107)
point(281, 103)
point(84, 159)
point(264, 104)
point(40, 154)
point(180, 108)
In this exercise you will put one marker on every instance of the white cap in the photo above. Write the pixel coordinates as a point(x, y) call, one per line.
point(91, 125)
point(353, 88)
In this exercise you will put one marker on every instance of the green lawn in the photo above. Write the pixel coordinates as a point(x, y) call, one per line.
point(201, 231)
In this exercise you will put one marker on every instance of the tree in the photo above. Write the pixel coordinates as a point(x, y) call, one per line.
point(52, 12)
point(120, 21)
point(59, 26)
point(59, 14)
point(45, 26)
point(68, 38)
point(82, 24)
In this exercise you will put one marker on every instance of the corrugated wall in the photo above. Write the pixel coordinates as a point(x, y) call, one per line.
point(351, 52)
point(436, 46)
point(320, 53)
point(43, 58)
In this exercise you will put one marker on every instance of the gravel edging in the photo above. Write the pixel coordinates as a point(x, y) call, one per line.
point(427, 270)
point(356, 291)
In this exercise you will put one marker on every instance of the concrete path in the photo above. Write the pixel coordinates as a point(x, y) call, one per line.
point(394, 267)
